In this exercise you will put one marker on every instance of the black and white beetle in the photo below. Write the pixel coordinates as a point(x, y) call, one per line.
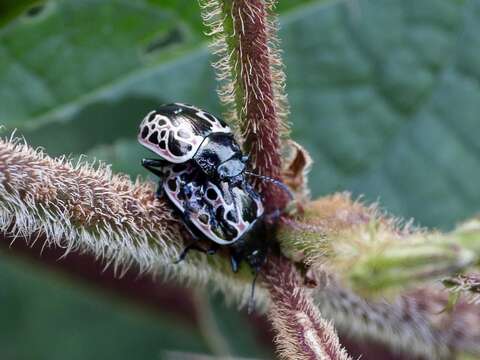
point(202, 173)
point(179, 133)
point(219, 212)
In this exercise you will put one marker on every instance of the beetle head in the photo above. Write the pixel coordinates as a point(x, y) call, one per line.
point(232, 167)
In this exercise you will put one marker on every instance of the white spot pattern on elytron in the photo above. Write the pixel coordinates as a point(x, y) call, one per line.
point(217, 125)
point(235, 205)
point(164, 126)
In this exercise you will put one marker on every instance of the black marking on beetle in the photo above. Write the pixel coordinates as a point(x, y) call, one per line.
point(230, 216)
point(172, 184)
point(211, 194)
point(144, 132)
point(153, 138)
point(176, 146)
point(152, 116)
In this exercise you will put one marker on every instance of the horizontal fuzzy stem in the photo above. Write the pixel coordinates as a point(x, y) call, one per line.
point(371, 252)
point(120, 222)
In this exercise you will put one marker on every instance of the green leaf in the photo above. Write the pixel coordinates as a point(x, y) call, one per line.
point(9, 9)
point(54, 61)
point(123, 155)
point(44, 317)
point(386, 97)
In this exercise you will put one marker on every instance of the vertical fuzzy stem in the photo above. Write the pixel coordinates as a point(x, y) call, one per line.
point(302, 333)
point(251, 70)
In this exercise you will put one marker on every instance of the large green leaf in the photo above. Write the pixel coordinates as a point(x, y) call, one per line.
point(386, 97)
point(56, 59)
point(44, 317)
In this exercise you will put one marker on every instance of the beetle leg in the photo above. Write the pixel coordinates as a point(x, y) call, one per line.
point(155, 162)
point(159, 192)
point(193, 245)
point(235, 260)
point(184, 253)
point(213, 249)
point(152, 165)
point(249, 190)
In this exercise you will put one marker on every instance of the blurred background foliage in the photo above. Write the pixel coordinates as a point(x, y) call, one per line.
point(384, 94)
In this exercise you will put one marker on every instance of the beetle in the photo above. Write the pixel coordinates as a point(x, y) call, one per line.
point(202, 172)
point(219, 212)
point(180, 132)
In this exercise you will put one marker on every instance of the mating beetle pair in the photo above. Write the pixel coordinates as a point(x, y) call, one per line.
point(202, 173)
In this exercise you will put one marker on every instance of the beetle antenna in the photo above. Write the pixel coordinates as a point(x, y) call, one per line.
point(251, 301)
point(280, 184)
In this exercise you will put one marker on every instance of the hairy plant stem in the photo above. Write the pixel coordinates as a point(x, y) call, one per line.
point(77, 207)
point(251, 70)
point(373, 253)
point(302, 333)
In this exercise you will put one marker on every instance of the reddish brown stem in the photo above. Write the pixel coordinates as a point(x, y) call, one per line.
point(141, 289)
point(302, 333)
point(259, 115)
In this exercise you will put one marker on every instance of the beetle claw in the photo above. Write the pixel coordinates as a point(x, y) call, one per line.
point(184, 253)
